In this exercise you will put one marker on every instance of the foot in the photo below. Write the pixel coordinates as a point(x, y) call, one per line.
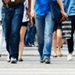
point(41, 61)
point(13, 60)
point(20, 59)
point(47, 61)
point(54, 56)
point(69, 57)
point(60, 55)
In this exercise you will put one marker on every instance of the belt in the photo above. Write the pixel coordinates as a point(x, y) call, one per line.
point(11, 5)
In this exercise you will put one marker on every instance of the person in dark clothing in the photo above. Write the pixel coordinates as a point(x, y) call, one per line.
point(70, 9)
point(12, 13)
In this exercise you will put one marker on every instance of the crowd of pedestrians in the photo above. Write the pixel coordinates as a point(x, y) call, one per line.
point(47, 17)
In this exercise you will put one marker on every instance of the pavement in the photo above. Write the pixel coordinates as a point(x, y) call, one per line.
point(32, 66)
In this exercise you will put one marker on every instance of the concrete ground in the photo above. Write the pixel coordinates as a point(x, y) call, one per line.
point(32, 66)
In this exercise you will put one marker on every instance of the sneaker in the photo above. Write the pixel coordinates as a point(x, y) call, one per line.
point(8, 58)
point(47, 61)
point(69, 57)
point(41, 61)
point(20, 59)
point(13, 60)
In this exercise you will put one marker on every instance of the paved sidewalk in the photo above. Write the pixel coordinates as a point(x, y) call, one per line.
point(33, 51)
point(32, 66)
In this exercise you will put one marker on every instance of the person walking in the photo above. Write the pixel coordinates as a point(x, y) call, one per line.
point(70, 10)
point(40, 9)
point(57, 33)
point(12, 13)
point(23, 29)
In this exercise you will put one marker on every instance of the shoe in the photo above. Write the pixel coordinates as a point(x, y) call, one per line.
point(47, 61)
point(13, 60)
point(54, 56)
point(41, 61)
point(28, 46)
point(60, 55)
point(20, 59)
point(69, 57)
point(31, 45)
point(8, 58)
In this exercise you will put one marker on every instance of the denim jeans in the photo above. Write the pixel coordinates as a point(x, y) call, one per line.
point(30, 35)
point(44, 27)
point(11, 21)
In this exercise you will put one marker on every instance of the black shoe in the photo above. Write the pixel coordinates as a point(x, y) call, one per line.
point(47, 61)
point(13, 60)
point(20, 59)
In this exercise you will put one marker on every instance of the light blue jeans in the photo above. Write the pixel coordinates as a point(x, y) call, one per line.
point(44, 27)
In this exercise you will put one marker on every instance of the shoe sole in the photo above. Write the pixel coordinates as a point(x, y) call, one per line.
point(14, 62)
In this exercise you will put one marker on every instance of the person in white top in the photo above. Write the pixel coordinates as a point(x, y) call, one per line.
point(23, 29)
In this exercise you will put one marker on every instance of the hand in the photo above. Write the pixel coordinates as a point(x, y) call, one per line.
point(64, 15)
point(31, 22)
point(33, 13)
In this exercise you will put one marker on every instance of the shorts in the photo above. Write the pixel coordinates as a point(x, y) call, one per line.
point(57, 25)
point(24, 23)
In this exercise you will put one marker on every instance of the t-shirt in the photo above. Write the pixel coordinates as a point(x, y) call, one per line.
point(69, 7)
point(42, 7)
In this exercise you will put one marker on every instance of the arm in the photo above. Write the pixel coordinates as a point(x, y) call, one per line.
point(32, 8)
point(62, 8)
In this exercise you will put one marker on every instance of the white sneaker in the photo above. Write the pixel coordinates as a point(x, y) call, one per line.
point(13, 60)
point(69, 57)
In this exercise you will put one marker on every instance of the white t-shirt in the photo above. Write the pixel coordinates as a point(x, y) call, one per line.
point(25, 16)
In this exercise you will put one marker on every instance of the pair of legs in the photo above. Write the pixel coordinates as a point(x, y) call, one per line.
point(11, 21)
point(57, 43)
point(22, 35)
point(44, 27)
point(70, 41)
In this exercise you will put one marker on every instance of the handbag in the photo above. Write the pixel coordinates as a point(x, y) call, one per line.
point(66, 29)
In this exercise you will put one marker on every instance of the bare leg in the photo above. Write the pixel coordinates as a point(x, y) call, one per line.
point(54, 44)
point(21, 44)
point(59, 41)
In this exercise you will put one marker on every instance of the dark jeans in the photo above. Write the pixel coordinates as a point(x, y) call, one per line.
point(70, 41)
point(30, 35)
point(11, 21)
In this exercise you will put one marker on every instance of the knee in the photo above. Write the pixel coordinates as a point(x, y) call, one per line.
point(59, 37)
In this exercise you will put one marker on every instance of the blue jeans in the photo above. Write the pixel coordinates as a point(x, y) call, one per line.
point(11, 21)
point(44, 27)
point(30, 35)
